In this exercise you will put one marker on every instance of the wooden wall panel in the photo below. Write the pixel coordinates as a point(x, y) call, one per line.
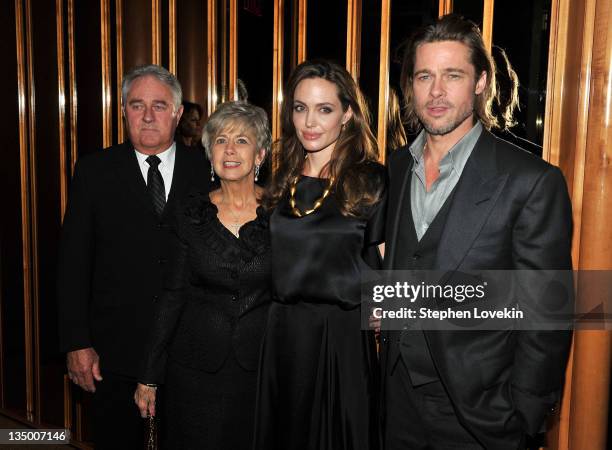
point(302, 19)
point(191, 46)
point(88, 75)
point(277, 67)
point(353, 38)
point(487, 23)
point(119, 69)
point(561, 109)
point(137, 33)
point(165, 34)
point(577, 138)
point(14, 133)
point(171, 33)
point(28, 214)
point(142, 30)
point(46, 159)
point(72, 86)
point(383, 78)
point(106, 18)
point(446, 7)
point(156, 45)
point(232, 85)
point(591, 375)
point(218, 52)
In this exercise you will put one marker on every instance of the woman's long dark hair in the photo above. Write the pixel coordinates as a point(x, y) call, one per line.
point(354, 149)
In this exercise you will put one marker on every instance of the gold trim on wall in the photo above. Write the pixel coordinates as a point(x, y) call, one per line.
point(591, 375)
point(556, 66)
point(353, 38)
point(558, 436)
point(172, 36)
point(233, 51)
point(277, 67)
point(445, 7)
point(302, 14)
point(119, 69)
point(30, 228)
point(61, 92)
point(155, 32)
point(487, 23)
point(211, 51)
point(73, 88)
point(23, 165)
point(383, 78)
point(581, 126)
point(67, 403)
point(222, 52)
point(107, 112)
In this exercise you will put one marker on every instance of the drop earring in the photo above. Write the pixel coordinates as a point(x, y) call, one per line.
point(256, 172)
point(212, 173)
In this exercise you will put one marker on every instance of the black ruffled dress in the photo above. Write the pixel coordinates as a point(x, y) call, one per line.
point(206, 336)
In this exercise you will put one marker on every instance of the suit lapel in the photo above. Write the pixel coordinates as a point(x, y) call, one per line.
point(129, 172)
point(400, 197)
point(477, 192)
point(180, 177)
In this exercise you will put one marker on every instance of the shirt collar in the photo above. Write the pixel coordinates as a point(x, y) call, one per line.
point(166, 157)
point(459, 153)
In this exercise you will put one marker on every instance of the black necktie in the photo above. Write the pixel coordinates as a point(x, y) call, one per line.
point(155, 185)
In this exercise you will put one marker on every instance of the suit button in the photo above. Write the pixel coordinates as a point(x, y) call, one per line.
point(416, 256)
point(234, 298)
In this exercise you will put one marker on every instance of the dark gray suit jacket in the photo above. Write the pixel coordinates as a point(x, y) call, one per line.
point(510, 210)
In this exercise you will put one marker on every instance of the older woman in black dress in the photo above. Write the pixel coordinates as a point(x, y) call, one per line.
point(209, 321)
point(318, 376)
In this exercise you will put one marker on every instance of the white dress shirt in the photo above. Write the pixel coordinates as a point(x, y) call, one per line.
point(166, 166)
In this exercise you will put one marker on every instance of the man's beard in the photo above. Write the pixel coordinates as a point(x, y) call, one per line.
point(449, 127)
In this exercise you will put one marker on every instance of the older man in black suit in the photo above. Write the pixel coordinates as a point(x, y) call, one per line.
point(114, 245)
point(462, 199)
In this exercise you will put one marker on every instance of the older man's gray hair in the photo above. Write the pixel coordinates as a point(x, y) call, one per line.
point(237, 114)
point(158, 72)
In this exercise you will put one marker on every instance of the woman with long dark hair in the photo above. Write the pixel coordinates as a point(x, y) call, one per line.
point(318, 376)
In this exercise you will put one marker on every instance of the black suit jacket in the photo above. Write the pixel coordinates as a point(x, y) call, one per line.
point(511, 210)
point(113, 251)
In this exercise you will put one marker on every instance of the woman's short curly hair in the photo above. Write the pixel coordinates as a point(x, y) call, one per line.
point(241, 115)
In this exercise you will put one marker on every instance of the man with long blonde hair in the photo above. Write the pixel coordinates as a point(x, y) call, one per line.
point(461, 199)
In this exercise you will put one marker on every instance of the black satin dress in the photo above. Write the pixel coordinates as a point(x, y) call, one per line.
point(318, 386)
point(208, 328)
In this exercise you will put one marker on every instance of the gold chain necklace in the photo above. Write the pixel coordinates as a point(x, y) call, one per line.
point(317, 204)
